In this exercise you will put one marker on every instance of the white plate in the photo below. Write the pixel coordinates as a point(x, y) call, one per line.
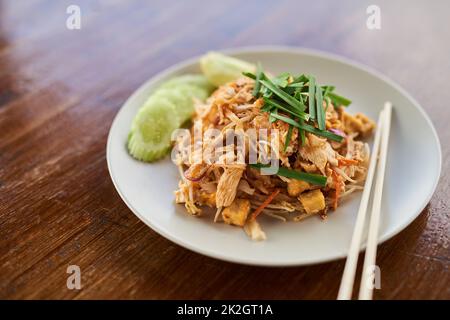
point(413, 169)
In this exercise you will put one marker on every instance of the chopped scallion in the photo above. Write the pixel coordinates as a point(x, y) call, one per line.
point(288, 137)
point(320, 112)
point(309, 128)
point(283, 95)
point(259, 75)
point(312, 178)
point(271, 116)
point(279, 105)
point(338, 100)
point(249, 75)
point(311, 104)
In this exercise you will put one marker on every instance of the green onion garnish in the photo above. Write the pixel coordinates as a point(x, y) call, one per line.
point(323, 133)
point(266, 107)
point(312, 178)
point(266, 93)
point(283, 95)
point(271, 117)
point(290, 95)
point(302, 78)
point(259, 75)
point(281, 80)
point(249, 75)
point(311, 88)
point(327, 90)
point(296, 85)
point(288, 137)
point(279, 105)
point(308, 177)
point(338, 100)
point(287, 120)
point(309, 128)
point(320, 112)
point(301, 132)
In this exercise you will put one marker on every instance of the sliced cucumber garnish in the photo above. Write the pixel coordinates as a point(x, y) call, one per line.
point(164, 111)
point(182, 98)
point(152, 128)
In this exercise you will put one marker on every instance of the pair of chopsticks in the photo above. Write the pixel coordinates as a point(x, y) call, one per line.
point(378, 164)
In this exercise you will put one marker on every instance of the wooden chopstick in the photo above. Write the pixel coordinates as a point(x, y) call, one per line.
point(348, 277)
point(366, 290)
point(346, 288)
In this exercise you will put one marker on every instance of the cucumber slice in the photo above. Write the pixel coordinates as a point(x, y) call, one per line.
point(150, 136)
point(182, 98)
point(196, 80)
point(164, 111)
point(220, 69)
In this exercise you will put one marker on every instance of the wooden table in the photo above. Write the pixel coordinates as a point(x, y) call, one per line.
point(60, 90)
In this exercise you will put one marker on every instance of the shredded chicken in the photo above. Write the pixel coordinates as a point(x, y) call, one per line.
point(227, 186)
point(318, 151)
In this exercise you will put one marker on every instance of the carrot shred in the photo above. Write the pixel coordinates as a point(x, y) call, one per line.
point(347, 162)
point(337, 185)
point(265, 204)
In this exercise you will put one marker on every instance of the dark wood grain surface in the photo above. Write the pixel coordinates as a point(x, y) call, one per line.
point(60, 90)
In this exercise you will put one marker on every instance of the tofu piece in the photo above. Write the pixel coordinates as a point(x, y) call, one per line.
point(208, 199)
point(358, 123)
point(295, 187)
point(308, 167)
point(313, 201)
point(237, 212)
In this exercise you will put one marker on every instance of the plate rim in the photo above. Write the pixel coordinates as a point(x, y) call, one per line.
point(281, 49)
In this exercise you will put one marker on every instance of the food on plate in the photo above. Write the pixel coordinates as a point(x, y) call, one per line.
point(319, 156)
